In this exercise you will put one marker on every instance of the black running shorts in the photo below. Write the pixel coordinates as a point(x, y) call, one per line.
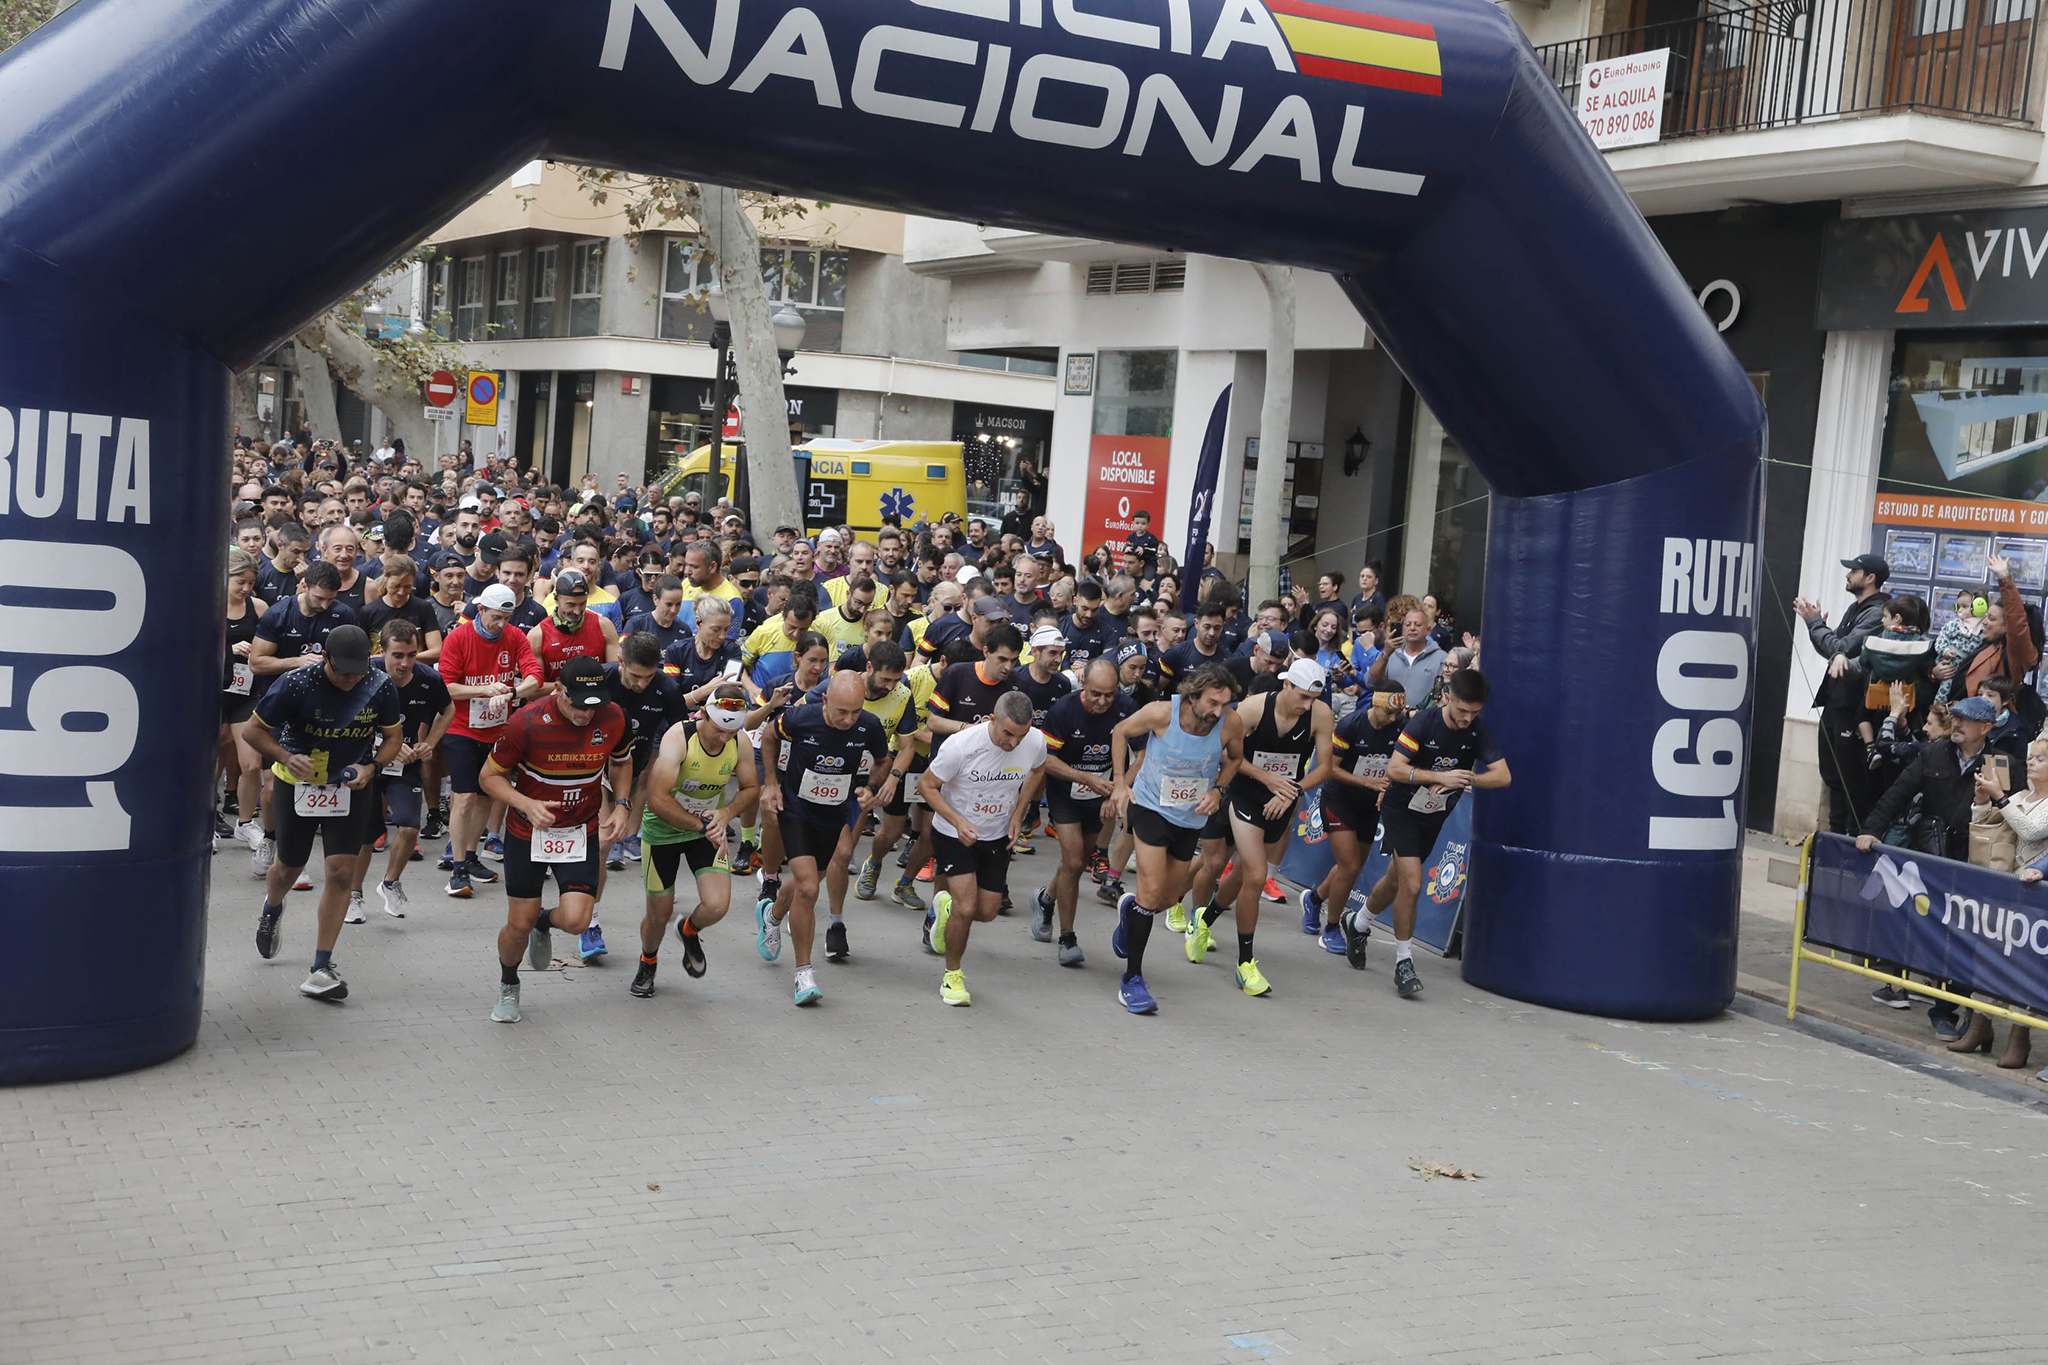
point(464, 758)
point(988, 860)
point(341, 836)
point(1148, 826)
point(524, 876)
point(802, 839)
point(1409, 835)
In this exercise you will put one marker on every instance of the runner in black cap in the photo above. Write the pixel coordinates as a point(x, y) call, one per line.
point(548, 767)
point(319, 726)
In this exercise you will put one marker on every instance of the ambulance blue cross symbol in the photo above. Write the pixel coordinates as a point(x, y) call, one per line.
point(899, 504)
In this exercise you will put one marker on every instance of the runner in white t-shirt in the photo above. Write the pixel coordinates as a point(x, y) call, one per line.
point(979, 786)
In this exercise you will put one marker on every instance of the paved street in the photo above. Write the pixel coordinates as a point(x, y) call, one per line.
point(715, 1175)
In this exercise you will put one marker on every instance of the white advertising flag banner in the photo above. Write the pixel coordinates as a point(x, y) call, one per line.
point(1621, 99)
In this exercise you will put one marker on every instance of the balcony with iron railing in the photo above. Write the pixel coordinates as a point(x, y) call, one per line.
point(1889, 65)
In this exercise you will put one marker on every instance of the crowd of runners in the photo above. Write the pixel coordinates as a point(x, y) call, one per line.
point(467, 668)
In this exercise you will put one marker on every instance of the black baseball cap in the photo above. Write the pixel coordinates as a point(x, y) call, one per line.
point(491, 548)
point(571, 583)
point(583, 682)
point(1870, 564)
point(348, 650)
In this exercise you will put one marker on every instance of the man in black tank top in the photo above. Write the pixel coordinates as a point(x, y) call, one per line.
point(1283, 732)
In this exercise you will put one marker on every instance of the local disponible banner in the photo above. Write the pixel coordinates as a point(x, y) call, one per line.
point(1126, 475)
point(1308, 860)
point(1621, 99)
point(1986, 931)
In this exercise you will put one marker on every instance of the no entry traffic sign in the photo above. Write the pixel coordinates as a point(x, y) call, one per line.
point(441, 388)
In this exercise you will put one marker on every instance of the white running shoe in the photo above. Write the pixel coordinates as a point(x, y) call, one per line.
point(355, 908)
point(250, 832)
point(395, 903)
point(305, 881)
point(325, 983)
point(262, 856)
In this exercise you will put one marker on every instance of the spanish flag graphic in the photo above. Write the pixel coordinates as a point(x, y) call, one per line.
point(1367, 49)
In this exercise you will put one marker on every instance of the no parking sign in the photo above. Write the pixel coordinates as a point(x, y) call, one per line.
point(483, 399)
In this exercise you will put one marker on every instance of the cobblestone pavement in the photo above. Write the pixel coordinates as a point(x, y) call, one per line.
point(715, 1175)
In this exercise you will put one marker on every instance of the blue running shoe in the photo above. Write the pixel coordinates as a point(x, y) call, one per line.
point(767, 933)
point(632, 847)
point(591, 945)
point(1312, 912)
point(1333, 939)
point(447, 863)
point(494, 848)
point(1137, 999)
point(477, 872)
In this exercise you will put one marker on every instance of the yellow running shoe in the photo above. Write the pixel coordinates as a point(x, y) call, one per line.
point(953, 988)
point(1177, 917)
point(1199, 939)
point(1251, 980)
point(942, 909)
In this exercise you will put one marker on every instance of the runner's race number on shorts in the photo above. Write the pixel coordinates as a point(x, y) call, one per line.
point(561, 845)
point(241, 679)
point(1429, 801)
point(318, 802)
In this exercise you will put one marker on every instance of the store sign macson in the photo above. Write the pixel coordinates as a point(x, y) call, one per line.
point(881, 74)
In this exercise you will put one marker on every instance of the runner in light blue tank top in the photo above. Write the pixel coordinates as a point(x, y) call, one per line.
point(1194, 745)
point(1179, 769)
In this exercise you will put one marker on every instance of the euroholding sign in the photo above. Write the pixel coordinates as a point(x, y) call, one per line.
point(1935, 270)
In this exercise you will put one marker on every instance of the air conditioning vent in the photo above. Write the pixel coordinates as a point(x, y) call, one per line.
point(1137, 277)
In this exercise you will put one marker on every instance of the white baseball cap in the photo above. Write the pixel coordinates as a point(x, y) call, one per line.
point(497, 597)
point(1047, 637)
point(968, 573)
point(1306, 674)
point(828, 537)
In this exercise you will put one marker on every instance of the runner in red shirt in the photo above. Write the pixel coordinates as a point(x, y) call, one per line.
point(488, 668)
point(548, 767)
point(571, 632)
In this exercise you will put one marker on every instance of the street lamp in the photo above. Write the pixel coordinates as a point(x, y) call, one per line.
point(721, 340)
point(789, 334)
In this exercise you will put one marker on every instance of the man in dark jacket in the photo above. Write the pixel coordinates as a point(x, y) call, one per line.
point(1844, 764)
point(1944, 776)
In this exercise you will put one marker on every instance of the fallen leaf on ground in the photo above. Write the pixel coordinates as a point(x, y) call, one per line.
point(1430, 1170)
point(653, 1185)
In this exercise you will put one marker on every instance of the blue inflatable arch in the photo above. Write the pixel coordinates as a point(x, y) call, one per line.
point(182, 182)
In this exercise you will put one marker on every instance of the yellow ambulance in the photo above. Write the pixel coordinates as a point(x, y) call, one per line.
point(852, 483)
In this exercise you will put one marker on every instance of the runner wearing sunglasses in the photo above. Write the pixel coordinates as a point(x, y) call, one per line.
point(686, 820)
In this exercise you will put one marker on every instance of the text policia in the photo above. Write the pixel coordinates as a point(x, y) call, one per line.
point(36, 453)
point(798, 48)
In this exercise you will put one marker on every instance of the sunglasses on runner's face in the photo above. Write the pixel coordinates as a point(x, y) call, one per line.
point(727, 703)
